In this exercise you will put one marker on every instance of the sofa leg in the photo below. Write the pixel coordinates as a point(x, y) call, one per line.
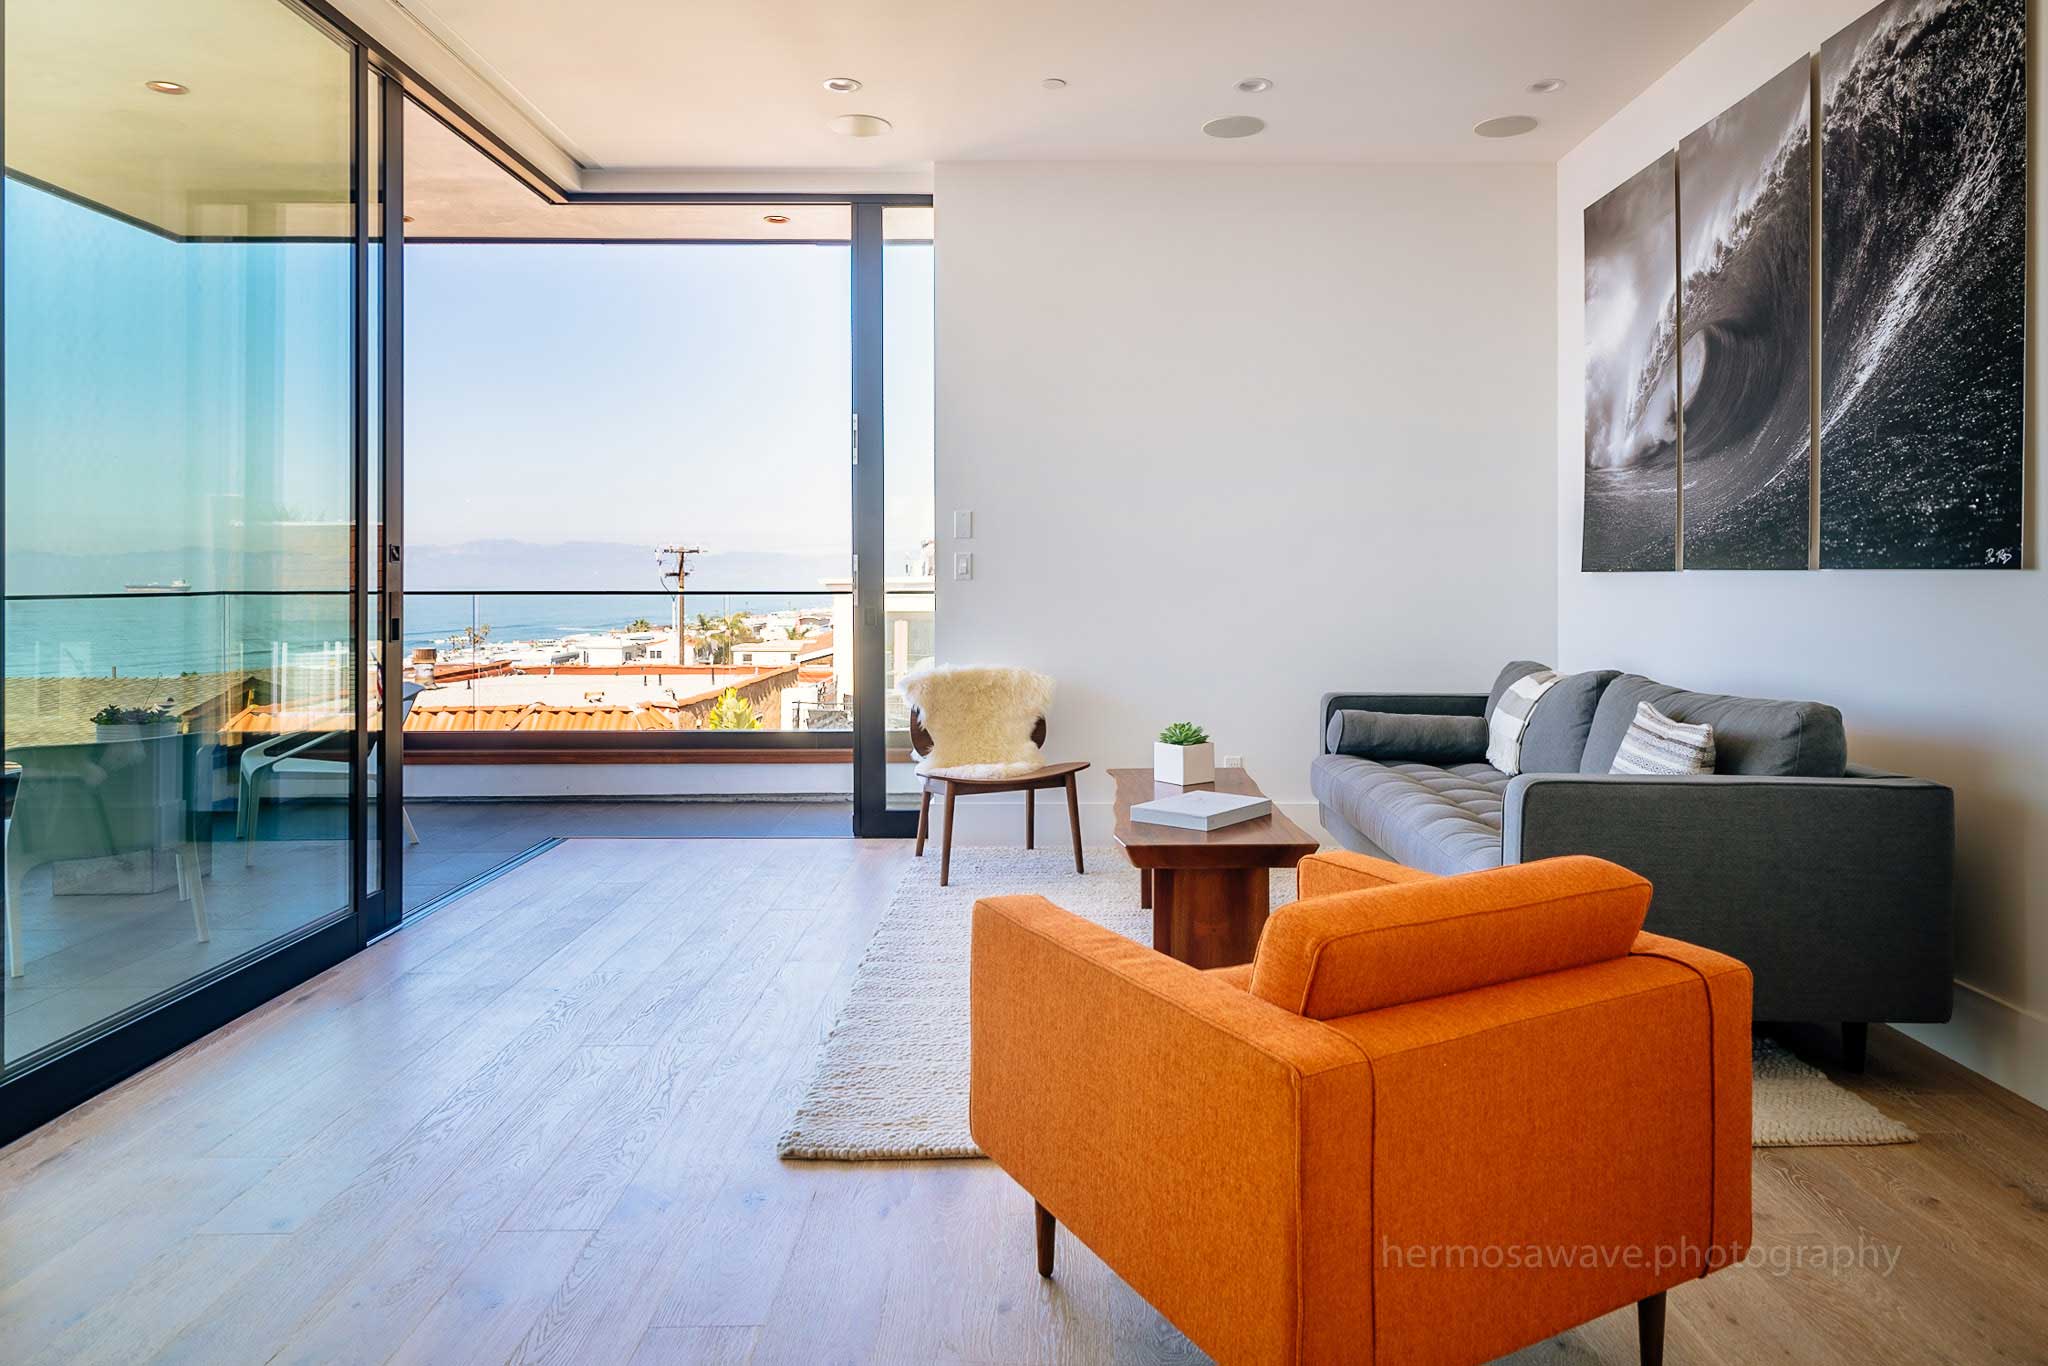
point(1855, 1044)
point(1045, 1228)
point(1650, 1329)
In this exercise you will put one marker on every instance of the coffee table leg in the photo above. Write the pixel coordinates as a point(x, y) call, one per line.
point(1144, 889)
point(1209, 917)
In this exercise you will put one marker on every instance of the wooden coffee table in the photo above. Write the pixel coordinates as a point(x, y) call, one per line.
point(1208, 890)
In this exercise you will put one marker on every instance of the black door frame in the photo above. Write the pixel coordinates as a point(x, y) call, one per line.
point(872, 816)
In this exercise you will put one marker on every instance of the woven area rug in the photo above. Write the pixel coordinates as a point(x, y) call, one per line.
point(891, 1080)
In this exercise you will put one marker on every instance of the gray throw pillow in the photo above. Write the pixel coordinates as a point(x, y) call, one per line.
point(1408, 737)
point(1755, 736)
point(1554, 740)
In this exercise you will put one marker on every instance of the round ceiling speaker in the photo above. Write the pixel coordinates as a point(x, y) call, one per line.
point(1509, 126)
point(1234, 126)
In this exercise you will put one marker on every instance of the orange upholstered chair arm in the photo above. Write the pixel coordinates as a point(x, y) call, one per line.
point(1213, 1148)
point(1729, 987)
point(1339, 870)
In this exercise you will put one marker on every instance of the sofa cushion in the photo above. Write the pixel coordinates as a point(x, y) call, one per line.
point(1554, 741)
point(1752, 735)
point(1346, 954)
point(1441, 820)
point(1406, 735)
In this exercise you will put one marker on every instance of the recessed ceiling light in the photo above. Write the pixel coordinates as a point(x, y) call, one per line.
point(1254, 85)
point(167, 87)
point(842, 85)
point(775, 218)
point(861, 125)
point(1508, 126)
point(1053, 83)
point(1549, 85)
point(1234, 126)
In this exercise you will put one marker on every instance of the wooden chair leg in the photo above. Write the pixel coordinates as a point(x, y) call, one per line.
point(1650, 1329)
point(924, 819)
point(1855, 1044)
point(1046, 1225)
point(1030, 818)
point(946, 840)
point(1074, 821)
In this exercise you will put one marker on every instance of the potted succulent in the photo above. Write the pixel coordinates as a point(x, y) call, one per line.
point(1184, 756)
point(134, 723)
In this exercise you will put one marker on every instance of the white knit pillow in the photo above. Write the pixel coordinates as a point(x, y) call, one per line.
point(980, 720)
point(1511, 717)
point(1657, 745)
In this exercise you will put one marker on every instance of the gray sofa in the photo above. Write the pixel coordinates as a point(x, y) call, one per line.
point(1832, 882)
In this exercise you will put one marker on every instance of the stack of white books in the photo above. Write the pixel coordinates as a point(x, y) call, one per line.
point(1201, 810)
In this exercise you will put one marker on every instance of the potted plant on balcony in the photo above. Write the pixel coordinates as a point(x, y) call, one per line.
point(1184, 756)
point(134, 723)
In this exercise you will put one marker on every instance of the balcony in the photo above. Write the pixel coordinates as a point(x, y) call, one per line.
point(564, 695)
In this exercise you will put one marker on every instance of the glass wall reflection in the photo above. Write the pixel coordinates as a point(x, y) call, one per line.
point(178, 467)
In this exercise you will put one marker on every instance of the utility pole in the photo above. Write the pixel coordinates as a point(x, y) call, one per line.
point(681, 574)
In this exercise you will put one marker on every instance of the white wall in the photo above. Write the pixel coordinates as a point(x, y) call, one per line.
point(1235, 436)
point(1938, 674)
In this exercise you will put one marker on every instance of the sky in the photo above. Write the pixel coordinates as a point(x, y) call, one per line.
point(650, 394)
point(555, 393)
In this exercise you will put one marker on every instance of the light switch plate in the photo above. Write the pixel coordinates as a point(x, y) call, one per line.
point(963, 565)
point(1231, 761)
point(963, 524)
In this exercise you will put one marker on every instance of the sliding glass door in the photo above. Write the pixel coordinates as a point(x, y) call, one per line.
point(217, 641)
point(185, 286)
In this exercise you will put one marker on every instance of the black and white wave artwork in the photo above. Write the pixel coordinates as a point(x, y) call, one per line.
point(1631, 514)
point(1923, 249)
point(1745, 196)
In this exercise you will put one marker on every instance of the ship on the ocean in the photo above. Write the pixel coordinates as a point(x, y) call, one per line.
point(174, 586)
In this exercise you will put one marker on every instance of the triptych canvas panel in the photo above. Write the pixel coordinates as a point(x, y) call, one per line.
point(1700, 385)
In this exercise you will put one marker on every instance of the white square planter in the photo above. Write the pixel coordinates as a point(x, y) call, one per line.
point(1183, 765)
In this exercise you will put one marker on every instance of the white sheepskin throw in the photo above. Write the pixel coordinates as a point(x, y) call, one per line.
point(980, 720)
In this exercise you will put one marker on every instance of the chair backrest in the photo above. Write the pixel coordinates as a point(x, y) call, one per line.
point(1352, 952)
point(976, 717)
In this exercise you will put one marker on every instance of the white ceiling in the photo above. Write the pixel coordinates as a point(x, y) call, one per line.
point(645, 86)
point(259, 146)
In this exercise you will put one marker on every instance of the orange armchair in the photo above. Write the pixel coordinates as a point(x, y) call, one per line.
point(1435, 1119)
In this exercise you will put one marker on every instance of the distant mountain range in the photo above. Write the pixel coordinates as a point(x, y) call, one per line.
point(611, 566)
point(594, 566)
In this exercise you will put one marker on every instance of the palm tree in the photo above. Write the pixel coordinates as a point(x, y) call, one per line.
point(707, 632)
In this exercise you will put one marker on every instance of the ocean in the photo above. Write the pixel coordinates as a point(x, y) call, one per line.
point(165, 635)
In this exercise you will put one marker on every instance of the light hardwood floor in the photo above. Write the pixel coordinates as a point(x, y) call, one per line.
point(539, 1126)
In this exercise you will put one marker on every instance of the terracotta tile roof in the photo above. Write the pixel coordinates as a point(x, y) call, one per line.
point(333, 714)
point(537, 716)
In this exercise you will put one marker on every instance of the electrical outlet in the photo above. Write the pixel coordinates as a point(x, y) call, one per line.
point(1231, 761)
point(963, 565)
point(963, 524)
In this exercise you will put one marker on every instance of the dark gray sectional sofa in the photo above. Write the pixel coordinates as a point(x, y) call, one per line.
point(1833, 882)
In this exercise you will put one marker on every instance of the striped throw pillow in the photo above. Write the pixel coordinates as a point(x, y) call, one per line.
point(1656, 744)
point(1511, 717)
